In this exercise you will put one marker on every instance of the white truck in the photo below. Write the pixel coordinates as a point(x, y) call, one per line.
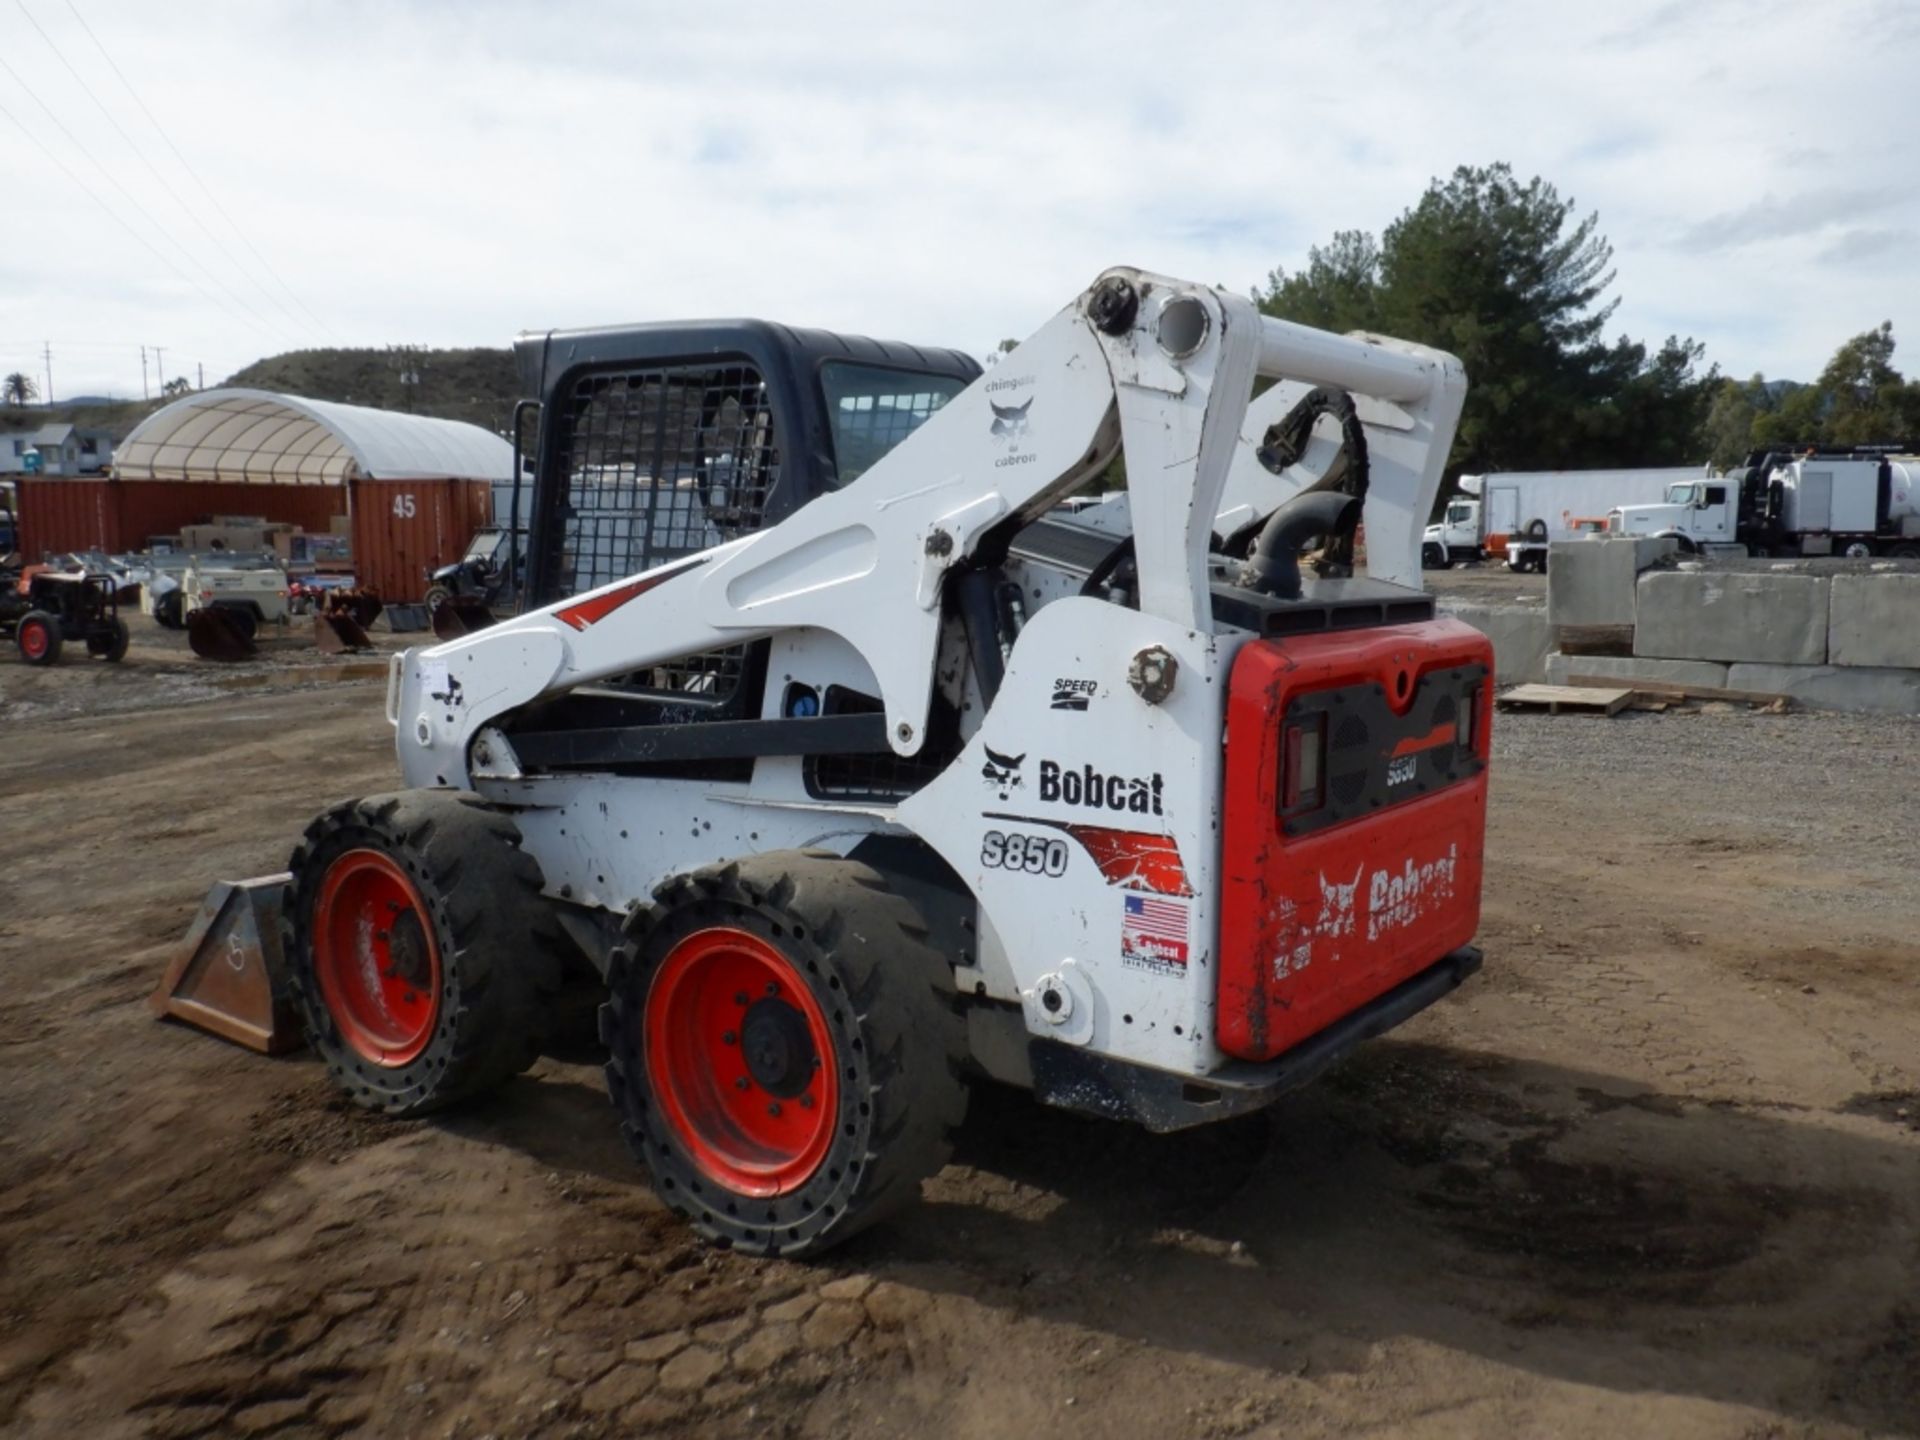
point(1853, 503)
point(1518, 513)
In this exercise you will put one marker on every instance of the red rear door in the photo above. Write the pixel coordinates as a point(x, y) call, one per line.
point(1355, 821)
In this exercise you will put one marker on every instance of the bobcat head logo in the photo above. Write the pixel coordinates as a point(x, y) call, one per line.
point(1336, 904)
point(1001, 772)
point(1010, 421)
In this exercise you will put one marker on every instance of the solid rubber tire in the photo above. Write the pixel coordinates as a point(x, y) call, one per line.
point(497, 942)
point(898, 1036)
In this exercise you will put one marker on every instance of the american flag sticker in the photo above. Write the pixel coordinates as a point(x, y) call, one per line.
point(1153, 934)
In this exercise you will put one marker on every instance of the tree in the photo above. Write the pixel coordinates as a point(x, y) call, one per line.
point(19, 389)
point(1859, 399)
point(175, 387)
point(1510, 278)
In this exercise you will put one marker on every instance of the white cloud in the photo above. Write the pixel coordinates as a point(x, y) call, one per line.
point(449, 174)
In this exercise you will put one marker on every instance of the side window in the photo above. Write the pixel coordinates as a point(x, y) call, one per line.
point(873, 408)
point(658, 463)
point(655, 464)
point(1716, 494)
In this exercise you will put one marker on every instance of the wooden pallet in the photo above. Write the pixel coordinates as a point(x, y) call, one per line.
point(1667, 690)
point(1574, 699)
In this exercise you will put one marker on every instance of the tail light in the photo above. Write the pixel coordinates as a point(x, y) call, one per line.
point(1303, 765)
point(1467, 727)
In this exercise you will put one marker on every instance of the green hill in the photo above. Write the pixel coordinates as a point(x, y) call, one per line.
point(479, 385)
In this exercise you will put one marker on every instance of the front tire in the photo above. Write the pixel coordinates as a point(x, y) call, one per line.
point(419, 950)
point(38, 638)
point(784, 1050)
point(112, 646)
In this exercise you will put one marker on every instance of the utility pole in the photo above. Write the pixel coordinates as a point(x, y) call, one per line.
point(203, 376)
point(160, 368)
point(47, 349)
point(145, 394)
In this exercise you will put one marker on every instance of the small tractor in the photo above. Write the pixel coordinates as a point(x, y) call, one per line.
point(45, 609)
point(854, 768)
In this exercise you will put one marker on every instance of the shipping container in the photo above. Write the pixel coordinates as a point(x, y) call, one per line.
point(58, 515)
point(404, 530)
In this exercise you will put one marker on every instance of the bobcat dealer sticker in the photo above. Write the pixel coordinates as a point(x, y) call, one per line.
point(1153, 934)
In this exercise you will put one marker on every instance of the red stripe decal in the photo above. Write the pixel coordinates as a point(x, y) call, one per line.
point(1414, 744)
point(597, 607)
point(1132, 858)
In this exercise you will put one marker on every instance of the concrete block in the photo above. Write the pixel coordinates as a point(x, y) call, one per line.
point(1703, 674)
point(1875, 620)
point(1766, 618)
point(1590, 581)
point(1835, 687)
point(1520, 634)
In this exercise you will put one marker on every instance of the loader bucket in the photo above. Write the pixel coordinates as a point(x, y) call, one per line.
point(460, 615)
point(229, 976)
point(336, 632)
point(365, 607)
point(219, 635)
point(404, 619)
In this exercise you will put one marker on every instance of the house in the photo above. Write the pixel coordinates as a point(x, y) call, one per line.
point(63, 449)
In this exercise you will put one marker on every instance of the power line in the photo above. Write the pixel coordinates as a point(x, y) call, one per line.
point(152, 169)
point(212, 200)
point(115, 215)
point(129, 197)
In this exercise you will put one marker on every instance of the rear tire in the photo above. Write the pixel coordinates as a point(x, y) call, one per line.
point(38, 638)
point(419, 949)
point(835, 1092)
point(437, 595)
point(1536, 530)
point(1905, 550)
point(1853, 549)
point(112, 646)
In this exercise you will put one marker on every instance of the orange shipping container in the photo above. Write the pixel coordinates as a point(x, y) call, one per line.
point(404, 530)
point(57, 515)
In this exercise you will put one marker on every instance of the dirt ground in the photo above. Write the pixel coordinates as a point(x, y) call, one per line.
point(1656, 1171)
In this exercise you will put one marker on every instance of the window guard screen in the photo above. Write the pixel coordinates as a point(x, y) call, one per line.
point(873, 408)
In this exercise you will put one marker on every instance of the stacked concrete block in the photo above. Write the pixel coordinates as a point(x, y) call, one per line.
point(1520, 634)
point(1733, 616)
point(1834, 687)
point(1590, 582)
point(1875, 621)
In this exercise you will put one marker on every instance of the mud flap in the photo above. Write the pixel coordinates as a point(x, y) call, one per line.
point(229, 977)
point(461, 615)
point(335, 633)
point(217, 634)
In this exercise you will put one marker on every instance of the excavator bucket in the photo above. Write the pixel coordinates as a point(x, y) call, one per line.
point(217, 634)
point(229, 977)
point(461, 615)
point(336, 632)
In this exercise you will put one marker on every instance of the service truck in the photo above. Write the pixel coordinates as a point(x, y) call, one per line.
point(1518, 513)
point(1854, 502)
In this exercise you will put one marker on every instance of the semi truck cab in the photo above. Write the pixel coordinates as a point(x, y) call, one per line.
point(1697, 513)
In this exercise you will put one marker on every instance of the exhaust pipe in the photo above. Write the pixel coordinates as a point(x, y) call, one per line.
point(1273, 565)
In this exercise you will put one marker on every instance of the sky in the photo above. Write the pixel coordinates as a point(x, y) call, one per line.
point(452, 172)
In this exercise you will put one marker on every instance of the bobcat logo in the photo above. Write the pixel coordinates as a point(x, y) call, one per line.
point(1336, 905)
point(1010, 421)
point(1002, 772)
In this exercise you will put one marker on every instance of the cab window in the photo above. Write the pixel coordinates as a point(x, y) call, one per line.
point(873, 408)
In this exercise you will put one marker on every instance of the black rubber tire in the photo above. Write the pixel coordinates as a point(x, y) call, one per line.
point(863, 951)
point(437, 595)
point(246, 621)
point(1536, 530)
point(1432, 557)
point(168, 612)
point(1905, 550)
point(111, 647)
point(498, 943)
point(43, 624)
point(1866, 546)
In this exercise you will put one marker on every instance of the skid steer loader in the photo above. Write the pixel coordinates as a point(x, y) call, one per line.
point(859, 770)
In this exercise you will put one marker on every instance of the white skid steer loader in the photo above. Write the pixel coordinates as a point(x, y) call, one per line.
point(855, 770)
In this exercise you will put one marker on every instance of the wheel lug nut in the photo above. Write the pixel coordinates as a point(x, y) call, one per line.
point(742, 1083)
point(806, 1102)
point(727, 1038)
point(772, 988)
point(740, 997)
point(774, 1108)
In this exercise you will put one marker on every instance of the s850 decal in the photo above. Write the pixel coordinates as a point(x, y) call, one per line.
point(1035, 854)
